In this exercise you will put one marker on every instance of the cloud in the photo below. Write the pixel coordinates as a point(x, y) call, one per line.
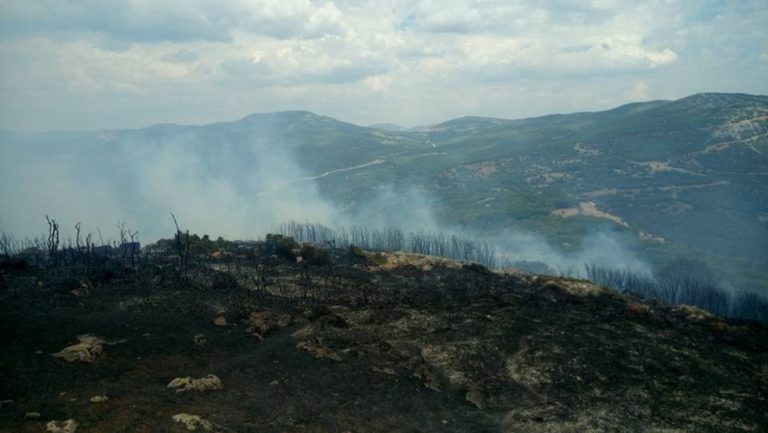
point(329, 60)
point(137, 62)
point(152, 21)
point(180, 56)
point(293, 18)
point(638, 92)
point(134, 21)
point(512, 18)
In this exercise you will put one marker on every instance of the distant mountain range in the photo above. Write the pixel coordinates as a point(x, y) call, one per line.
point(686, 177)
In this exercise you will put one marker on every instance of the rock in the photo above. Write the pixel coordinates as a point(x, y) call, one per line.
point(333, 320)
point(32, 415)
point(220, 321)
point(323, 314)
point(315, 312)
point(261, 322)
point(89, 348)
point(193, 422)
point(99, 399)
point(284, 320)
point(641, 311)
point(694, 313)
point(208, 383)
point(200, 340)
point(424, 372)
point(318, 350)
point(67, 426)
point(475, 397)
point(305, 332)
point(385, 370)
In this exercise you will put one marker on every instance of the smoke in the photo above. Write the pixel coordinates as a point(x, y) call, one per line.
point(408, 209)
point(605, 248)
point(140, 181)
point(239, 187)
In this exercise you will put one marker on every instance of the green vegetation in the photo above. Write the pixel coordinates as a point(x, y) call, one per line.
point(687, 174)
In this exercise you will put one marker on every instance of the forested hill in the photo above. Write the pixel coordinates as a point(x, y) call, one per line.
point(670, 178)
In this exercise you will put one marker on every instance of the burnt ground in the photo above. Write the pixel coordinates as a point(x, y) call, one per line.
point(391, 343)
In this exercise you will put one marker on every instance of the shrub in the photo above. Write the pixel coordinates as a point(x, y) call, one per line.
point(281, 246)
point(314, 256)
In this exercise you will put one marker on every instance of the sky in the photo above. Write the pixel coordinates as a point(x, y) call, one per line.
point(101, 64)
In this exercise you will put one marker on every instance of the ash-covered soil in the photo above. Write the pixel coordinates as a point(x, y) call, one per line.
point(363, 343)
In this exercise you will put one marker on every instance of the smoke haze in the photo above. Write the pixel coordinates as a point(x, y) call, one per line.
point(230, 188)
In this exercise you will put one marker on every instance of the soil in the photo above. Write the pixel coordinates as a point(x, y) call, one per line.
point(351, 346)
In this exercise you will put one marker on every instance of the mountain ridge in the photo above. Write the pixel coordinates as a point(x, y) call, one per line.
point(702, 96)
point(668, 169)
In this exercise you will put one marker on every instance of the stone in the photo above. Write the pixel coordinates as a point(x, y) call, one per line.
point(284, 320)
point(193, 422)
point(220, 321)
point(200, 340)
point(208, 383)
point(475, 397)
point(87, 350)
point(385, 370)
point(67, 426)
point(424, 372)
point(32, 415)
point(261, 322)
point(319, 351)
point(99, 399)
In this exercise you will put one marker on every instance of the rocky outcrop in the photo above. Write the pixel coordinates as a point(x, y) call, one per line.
point(67, 426)
point(88, 349)
point(260, 323)
point(193, 422)
point(208, 383)
point(318, 350)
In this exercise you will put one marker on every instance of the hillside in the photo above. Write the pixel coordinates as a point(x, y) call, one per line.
point(668, 178)
point(247, 338)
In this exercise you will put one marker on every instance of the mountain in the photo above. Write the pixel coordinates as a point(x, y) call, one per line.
point(685, 177)
point(668, 178)
point(390, 127)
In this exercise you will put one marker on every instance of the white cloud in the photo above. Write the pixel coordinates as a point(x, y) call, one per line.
point(638, 92)
point(180, 56)
point(138, 62)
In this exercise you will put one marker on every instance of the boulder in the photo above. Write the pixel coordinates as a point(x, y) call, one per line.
point(208, 383)
point(193, 422)
point(200, 340)
point(67, 426)
point(261, 322)
point(87, 350)
point(318, 350)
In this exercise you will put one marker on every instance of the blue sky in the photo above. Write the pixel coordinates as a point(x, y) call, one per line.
point(96, 64)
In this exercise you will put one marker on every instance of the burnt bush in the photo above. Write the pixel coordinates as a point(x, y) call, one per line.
point(314, 256)
point(750, 306)
point(393, 239)
point(356, 253)
point(223, 281)
point(13, 265)
point(280, 245)
point(691, 284)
